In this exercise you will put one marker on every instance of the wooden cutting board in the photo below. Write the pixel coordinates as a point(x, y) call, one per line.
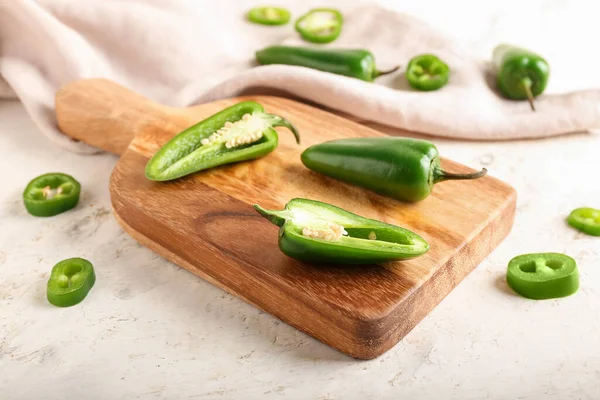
point(206, 224)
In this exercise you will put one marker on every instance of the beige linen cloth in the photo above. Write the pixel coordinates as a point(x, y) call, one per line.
point(181, 53)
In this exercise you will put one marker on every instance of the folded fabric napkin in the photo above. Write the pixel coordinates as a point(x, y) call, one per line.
point(181, 53)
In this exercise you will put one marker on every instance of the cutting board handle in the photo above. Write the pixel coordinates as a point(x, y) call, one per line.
point(104, 114)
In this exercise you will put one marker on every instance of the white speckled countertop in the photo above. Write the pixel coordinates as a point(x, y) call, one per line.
point(151, 330)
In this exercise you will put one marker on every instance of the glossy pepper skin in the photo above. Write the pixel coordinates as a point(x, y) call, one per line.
point(402, 168)
point(357, 63)
point(543, 275)
point(318, 232)
point(586, 220)
point(51, 194)
point(427, 72)
point(320, 25)
point(238, 133)
point(521, 74)
point(70, 282)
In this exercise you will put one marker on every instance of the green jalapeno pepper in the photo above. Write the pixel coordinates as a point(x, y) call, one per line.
point(543, 276)
point(427, 72)
point(319, 232)
point(51, 194)
point(241, 132)
point(521, 74)
point(70, 282)
point(320, 25)
point(269, 15)
point(354, 63)
point(586, 220)
point(403, 168)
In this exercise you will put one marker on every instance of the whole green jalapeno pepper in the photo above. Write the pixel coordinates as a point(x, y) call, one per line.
point(354, 63)
point(427, 72)
point(70, 282)
point(521, 74)
point(51, 194)
point(586, 220)
point(318, 232)
point(320, 25)
point(241, 132)
point(543, 276)
point(403, 168)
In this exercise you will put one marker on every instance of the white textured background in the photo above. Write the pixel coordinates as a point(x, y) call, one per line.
point(151, 330)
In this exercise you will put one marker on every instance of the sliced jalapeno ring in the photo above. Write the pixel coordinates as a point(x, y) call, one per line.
point(269, 15)
point(319, 232)
point(586, 220)
point(427, 72)
point(320, 25)
point(51, 194)
point(241, 132)
point(543, 276)
point(70, 282)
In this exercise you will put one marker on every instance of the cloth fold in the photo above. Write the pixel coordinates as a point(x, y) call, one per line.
point(183, 53)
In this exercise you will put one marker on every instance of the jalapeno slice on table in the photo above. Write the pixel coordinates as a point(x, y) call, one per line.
point(319, 232)
point(320, 25)
point(241, 132)
point(586, 220)
point(51, 194)
point(543, 276)
point(269, 15)
point(70, 282)
point(427, 72)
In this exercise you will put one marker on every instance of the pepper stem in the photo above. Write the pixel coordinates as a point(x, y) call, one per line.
point(278, 121)
point(270, 215)
point(441, 175)
point(389, 71)
point(526, 84)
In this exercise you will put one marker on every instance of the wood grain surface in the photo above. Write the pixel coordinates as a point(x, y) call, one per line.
point(205, 222)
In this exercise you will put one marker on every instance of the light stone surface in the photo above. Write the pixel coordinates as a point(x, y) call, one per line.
point(151, 330)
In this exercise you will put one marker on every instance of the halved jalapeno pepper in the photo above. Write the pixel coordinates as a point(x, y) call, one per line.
point(427, 72)
point(586, 220)
point(543, 276)
point(320, 25)
point(269, 15)
point(51, 194)
point(319, 232)
point(70, 282)
point(241, 132)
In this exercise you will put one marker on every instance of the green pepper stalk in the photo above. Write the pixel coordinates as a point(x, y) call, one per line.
point(402, 168)
point(320, 25)
point(427, 72)
point(241, 132)
point(521, 74)
point(51, 194)
point(354, 63)
point(318, 232)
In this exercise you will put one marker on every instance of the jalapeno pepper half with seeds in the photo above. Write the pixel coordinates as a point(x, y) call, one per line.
point(427, 72)
point(319, 232)
point(355, 63)
point(543, 276)
point(241, 132)
point(402, 168)
point(320, 25)
point(269, 15)
point(51, 194)
point(521, 74)
point(70, 282)
point(586, 220)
